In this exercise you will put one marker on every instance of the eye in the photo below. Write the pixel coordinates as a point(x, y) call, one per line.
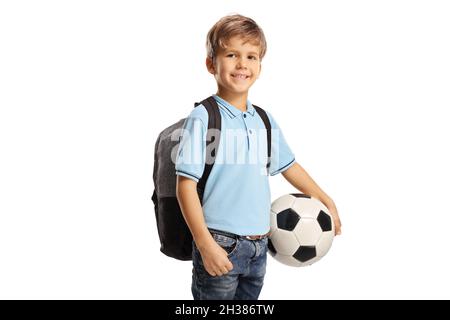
point(253, 57)
point(231, 55)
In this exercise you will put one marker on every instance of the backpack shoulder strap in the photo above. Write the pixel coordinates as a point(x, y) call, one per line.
point(265, 119)
point(214, 122)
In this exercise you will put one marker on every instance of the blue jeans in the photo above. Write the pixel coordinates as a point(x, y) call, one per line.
point(246, 279)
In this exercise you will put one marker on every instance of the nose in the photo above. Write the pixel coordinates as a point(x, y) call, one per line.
point(241, 64)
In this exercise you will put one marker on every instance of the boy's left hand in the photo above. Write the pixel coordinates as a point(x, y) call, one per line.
point(336, 220)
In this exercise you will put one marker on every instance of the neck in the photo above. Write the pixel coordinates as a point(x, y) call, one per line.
point(238, 100)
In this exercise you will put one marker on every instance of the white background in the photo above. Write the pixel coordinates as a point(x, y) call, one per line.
point(360, 89)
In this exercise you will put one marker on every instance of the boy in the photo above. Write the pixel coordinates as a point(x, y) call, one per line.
point(230, 227)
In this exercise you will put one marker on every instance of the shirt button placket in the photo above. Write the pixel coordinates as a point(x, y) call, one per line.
point(248, 131)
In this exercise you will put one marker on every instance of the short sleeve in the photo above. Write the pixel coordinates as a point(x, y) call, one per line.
point(282, 157)
point(190, 161)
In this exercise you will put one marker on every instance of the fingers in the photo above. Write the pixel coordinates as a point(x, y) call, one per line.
point(338, 227)
point(220, 271)
point(226, 269)
point(337, 221)
point(216, 273)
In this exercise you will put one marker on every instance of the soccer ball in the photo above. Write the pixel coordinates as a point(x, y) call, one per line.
point(301, 230)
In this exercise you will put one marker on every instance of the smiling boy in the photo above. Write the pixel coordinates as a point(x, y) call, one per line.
point(230, 226)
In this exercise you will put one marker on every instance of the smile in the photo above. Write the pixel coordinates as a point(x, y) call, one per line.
point(240, 76)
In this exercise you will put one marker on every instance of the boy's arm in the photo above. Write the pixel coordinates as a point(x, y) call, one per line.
point(215, 258)
point(300, 179)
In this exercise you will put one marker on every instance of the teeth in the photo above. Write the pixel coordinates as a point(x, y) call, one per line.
point(240, 76)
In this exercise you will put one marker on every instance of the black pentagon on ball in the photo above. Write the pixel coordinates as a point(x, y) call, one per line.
point(300, 195)
point(272, 249)
point(287, 219)
point(324, 221)
point(305, 253)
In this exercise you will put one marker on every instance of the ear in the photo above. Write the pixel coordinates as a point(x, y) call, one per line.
point(210, 65)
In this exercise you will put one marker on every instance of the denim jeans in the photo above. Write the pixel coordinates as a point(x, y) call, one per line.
point(246, 279)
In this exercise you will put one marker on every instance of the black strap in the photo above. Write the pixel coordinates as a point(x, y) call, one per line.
point(214, 122)
point(266, 121)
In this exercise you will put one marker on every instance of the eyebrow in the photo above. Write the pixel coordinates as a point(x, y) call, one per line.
point(234, 50)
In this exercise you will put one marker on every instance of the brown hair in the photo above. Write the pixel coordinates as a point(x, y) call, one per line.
point(230, 26)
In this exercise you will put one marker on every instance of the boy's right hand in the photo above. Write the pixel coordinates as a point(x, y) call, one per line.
point(215, 259)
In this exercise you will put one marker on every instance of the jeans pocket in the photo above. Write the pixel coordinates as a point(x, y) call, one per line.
point(227, 243)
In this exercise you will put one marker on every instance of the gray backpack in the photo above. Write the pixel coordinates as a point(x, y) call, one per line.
point(174, 234)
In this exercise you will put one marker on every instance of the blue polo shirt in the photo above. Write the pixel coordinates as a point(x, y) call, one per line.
point(237, 195)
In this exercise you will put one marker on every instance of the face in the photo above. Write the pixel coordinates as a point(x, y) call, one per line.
point(236, 67)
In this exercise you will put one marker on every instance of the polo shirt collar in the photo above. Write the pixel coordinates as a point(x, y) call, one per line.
point(231, 110)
